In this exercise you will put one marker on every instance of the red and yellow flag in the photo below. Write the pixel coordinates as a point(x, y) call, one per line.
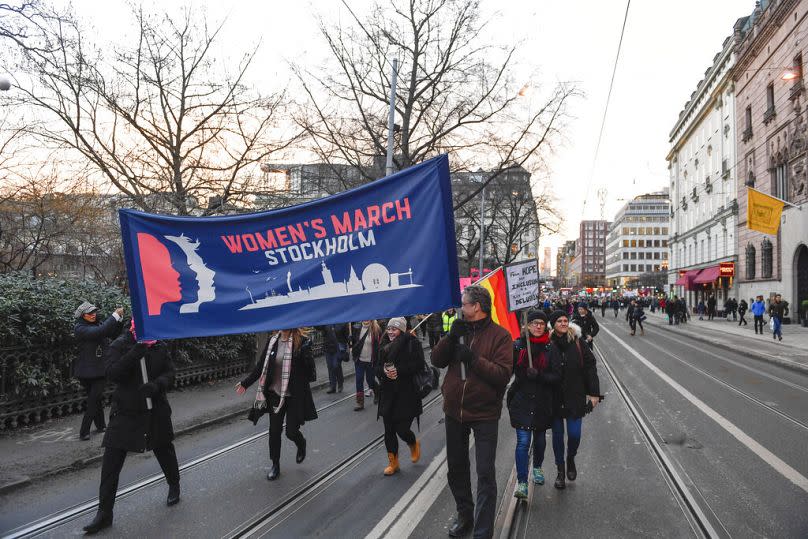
point(494, 282)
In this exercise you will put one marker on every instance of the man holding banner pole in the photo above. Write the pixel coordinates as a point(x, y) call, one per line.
point(478, 355)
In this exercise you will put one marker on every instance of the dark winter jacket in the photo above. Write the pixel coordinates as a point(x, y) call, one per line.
point(579, 377)
point(589, 326)
point(93, 342)
point(335, 336)
point(359, 342)
point(300, 404)
point(434, 324)
point(131, 425)
point(779, 310)
point(479, 397)
point(743, 306)
point(531, 404)
point(399, 399)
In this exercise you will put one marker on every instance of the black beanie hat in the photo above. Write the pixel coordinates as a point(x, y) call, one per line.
point(556, 315)
point(536, 314)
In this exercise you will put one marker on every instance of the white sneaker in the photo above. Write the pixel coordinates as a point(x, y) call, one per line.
point(368, 392)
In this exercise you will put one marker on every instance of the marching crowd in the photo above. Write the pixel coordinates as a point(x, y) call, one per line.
point(547, 379)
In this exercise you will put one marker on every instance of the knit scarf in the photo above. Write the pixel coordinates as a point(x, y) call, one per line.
point(286, 369)
point(539, 360)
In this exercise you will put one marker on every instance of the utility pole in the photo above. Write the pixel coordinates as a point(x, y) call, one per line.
point(391, 119)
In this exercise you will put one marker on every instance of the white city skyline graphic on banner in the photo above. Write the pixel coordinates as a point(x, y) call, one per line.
point(375, 278)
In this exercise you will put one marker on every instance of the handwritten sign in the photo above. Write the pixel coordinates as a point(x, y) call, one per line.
point(522, 282)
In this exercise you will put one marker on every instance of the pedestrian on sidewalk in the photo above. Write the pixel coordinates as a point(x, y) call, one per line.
point(777, 311)
point(603, 304)
point(401, 356)
point(579, 385)
point(589, 326)
point(671, 308)
point(711, 302)
point(93, 338)
point(733, 308)
point(365, 353)
point(335, 342)
point(530, 398)
point(434, 328)
point(284, 391)
point(758, 308)
point(616, 306)
point(742, 308)
point(132, 426)
point(479, 356)
point(700, 308)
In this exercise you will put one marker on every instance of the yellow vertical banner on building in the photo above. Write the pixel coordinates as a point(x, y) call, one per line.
point(762, 212)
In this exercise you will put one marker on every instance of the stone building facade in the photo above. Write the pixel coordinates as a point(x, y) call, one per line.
point(772, 138)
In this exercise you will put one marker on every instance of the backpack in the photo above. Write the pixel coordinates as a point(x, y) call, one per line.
point(426, 380)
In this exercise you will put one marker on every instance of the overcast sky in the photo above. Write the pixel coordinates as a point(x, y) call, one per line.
point(666, 49)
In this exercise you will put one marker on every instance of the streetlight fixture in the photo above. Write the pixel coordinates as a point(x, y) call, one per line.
point(791, 74)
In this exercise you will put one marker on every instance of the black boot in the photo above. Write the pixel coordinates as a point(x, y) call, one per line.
point(275, 472)
point(101, 521)
point(572, 473)
point(301, 450)
point(560, 482)
point(461, 526)
point(332, 390)
point(173, 494)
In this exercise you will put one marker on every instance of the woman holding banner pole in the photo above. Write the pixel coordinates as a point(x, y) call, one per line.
point(133, 424)
point(530, 398)
point(284, 377)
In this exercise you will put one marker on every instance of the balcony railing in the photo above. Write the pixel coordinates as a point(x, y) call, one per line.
point(769, 115)
point(796, 89)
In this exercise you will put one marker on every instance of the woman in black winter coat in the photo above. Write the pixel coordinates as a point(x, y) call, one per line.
point(400, 358)
point(93, 338)
point(579, 387)
point(284, 373)
point(132, 426)
point(586, 321)
point(530, 398)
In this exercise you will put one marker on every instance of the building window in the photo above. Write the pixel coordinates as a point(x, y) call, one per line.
point(747, 132)
point(780, 178)
point(625, 267)
point(750, 262)
point(768, 114)
point(768, 258)
point(633, 267)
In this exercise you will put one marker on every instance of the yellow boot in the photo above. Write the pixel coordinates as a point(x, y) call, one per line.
point(393, 467)
point(415, 451)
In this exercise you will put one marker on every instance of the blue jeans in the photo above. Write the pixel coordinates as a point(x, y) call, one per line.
point(573, 438)
point(334, 369)
point(364, 371)
point(522, 449)
point(778, 327)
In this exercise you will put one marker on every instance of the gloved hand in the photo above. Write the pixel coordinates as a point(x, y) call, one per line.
point(149, 389)
point(460, 328)
point(532, 373)
point(464, 354)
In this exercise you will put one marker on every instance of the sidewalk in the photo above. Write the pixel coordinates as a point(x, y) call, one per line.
point(52, 447)
point(791, 352)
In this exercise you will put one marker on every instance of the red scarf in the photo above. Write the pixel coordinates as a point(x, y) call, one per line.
point(539, 359)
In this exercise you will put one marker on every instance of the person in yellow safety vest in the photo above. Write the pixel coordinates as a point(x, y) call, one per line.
point(448, 319)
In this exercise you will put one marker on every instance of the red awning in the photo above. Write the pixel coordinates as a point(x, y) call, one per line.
point(686, 280)
point(708, 275)
point(681, 281)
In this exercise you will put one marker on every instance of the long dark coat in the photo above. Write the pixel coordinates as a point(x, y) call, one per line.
point(588, 324)
point(93, 343)
point(579, 378)
point(531, 407)
point(131, 425)
point(300, 402)
point(399, 399)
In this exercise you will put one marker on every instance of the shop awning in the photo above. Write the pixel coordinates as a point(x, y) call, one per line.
point(686, 280)
point(708, 275)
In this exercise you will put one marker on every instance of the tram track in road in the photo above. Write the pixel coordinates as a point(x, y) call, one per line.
point(265, 521)
point(700, 517)
point(732, 388)
point(82, 509)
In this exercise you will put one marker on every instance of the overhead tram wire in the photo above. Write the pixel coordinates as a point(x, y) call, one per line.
point(605, 109)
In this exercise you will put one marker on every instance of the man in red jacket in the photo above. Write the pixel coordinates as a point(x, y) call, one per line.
point(479, 357)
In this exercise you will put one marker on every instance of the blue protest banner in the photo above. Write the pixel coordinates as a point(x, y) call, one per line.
point(384, 249)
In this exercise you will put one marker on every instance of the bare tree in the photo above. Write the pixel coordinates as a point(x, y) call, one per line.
point(455, 95)
point(158, 117)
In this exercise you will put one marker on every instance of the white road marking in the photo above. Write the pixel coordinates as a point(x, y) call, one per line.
point(767, 456)
point(426, 490)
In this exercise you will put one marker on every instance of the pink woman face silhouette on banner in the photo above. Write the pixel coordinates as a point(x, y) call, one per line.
point(160, 280)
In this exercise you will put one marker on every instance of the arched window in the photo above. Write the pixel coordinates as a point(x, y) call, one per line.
point(768, 258)
point(750, 262)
